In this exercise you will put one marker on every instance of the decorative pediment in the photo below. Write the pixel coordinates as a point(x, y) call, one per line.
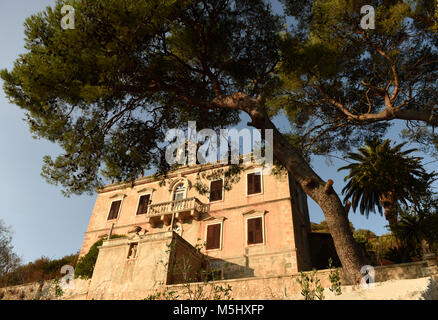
point(256, 168)
point(146, 190)
point(214, 218)
point(254, 212)
point(118, 195)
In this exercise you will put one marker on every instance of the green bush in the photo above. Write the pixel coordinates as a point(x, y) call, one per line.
point(41, 269)
point(401, 254)
point(85, 266)
point(335, 279)
point(311, 287)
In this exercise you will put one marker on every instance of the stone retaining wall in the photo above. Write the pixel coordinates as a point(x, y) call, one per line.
point(278, 287)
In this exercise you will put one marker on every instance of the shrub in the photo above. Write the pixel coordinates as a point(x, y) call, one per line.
point(400, 254)
point(58, 290)
point(335, 279)
point(40, 269)
point(311, 287)
point(85, 266)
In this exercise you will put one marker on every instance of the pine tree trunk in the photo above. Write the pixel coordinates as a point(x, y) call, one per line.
point(351, 255)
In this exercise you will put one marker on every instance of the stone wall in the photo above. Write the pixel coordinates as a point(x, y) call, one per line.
point(278, 287)
point(159, 259)
point(185, 262)
point(45, 290)
point(287, 287)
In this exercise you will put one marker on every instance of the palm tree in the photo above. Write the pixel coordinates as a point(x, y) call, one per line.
point(384, 176)
point(418, 225)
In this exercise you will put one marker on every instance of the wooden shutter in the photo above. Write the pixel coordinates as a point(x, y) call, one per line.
point(255, 231)
point(258, 230)
point(216, 190)
point(114, 210)
point(213, 236)
point(257, 183)
point(250, 183)
point(143, 204)
point(254, 183)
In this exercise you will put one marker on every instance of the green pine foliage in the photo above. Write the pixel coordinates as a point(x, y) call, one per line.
point(109, 90)
point(339, 80)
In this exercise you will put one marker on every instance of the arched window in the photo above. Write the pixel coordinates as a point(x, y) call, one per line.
point(179, 192)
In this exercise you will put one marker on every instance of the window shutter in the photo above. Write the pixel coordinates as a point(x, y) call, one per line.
point(250, 231)
point(213, 236)
point(143, 204)
point(250, 183)
point(258, 230)
point(254, 183)
point(217, 236)
point(114, 210)
point(257, 183)
point(216, 190)
point(255, 231)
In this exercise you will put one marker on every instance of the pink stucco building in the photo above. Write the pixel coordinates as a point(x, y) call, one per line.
point(260, 227)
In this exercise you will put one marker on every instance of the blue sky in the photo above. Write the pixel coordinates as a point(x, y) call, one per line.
point(45, 222)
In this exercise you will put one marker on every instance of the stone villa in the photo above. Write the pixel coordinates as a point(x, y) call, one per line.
point(258, 228)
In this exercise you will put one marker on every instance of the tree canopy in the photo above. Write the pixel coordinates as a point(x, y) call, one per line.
point(108, 90)
point(340, 80)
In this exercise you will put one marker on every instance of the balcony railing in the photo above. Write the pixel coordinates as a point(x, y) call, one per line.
point(181, 208)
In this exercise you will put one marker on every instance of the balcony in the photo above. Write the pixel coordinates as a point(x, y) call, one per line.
point(183, 209)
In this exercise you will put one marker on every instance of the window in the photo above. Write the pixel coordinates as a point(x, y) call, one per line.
point(216, 190)
point(114, 210)
point(213, 236)
point(255, 230)
point(132, 253)
point(254, 183)
point(179, 195)
point(180, 192)
point(143, 204)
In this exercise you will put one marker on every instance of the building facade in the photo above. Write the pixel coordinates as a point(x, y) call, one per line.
point(260, 227)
